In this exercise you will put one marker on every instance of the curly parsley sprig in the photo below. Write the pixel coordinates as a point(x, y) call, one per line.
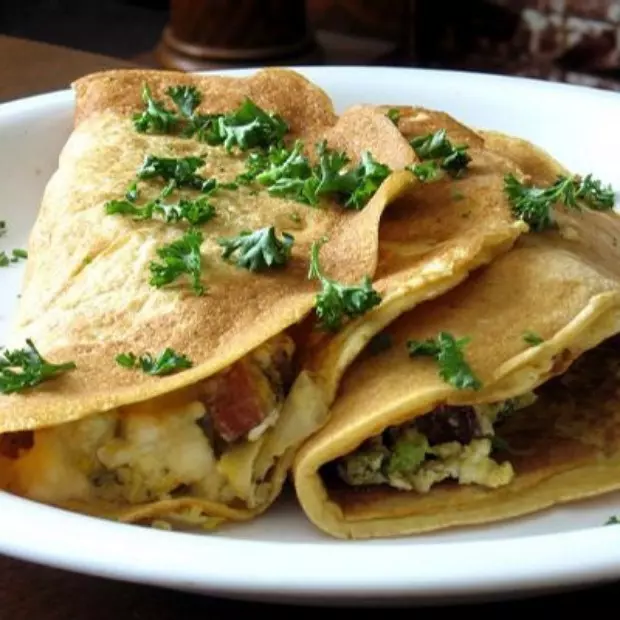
point(436, 147)
point(25, 368)
point(197, 212)
point(178, 258)
point(155, 118)
point(338, 301)
point(259, 250)
point(534, 205)
point(448, 353)
point(177, 172)
point(288, 173)
point(166, 363)
point(247, 127)
point(16, 255)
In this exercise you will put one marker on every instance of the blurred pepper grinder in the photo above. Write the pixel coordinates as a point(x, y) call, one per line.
point(203, 34)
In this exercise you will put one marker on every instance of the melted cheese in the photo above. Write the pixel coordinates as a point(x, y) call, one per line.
point(151, 450)
point(140, 454)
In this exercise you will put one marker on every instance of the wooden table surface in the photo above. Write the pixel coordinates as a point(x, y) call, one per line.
point(31, 592)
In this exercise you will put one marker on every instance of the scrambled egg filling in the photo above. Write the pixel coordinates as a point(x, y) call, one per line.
point(149, 451)
point(407, 459)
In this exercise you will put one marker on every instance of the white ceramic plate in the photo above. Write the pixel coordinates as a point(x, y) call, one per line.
point(281, 556)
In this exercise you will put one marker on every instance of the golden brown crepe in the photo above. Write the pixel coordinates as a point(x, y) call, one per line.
point(430, 240)
point(465, 456)
point(114, 441)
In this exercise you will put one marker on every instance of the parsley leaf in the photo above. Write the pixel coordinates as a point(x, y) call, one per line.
point(337, 301)
point(19, 254)
point(186, 99)
point(613, 520)
point(369, 175)
point(448, 352)
point(532, 339)
point(289, 174)
point(196, 212)
point(156, 118)
point(453, 159)
point(178, 258)
point(247, 127)
point(2, 227)
point(16, 255)
point(179, 172)
point(426, 171)
point(166, 363)
point(24, 368)
point(534, 205)
point(258, 250)
point(280, 164)
point(133, 193)
point(394, 115)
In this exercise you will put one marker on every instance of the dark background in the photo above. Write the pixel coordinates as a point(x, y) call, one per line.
point(567, 40)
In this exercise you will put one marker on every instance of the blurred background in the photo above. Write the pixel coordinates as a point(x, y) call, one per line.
point(576, 41)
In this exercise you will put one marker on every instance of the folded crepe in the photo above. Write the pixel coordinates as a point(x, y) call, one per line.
point(431, 238)
point(406, 451)
point(214, 439)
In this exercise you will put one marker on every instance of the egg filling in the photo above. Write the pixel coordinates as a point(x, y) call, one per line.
point(193, 443)
point(447, 443)
point(474, 444)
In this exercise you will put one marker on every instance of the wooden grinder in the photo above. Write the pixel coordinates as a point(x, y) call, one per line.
point(203, 34)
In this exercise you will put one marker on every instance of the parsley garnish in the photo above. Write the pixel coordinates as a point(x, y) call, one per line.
point(532, 339)
point(426, 171)
point(178, 258)
point(2, 227)
point(24, 368)
point(178, 172)
point(196, 212)
point(613, 520)
point(437, 147)
point(394, 115)
point(133, 193)
point(337, 301)
point(166, 363)
point(285, 172)
point(258, 250)
point(534, 205)
point(156, 118)
point(249, 126)
point(186, 99)
point(448, 352)
point(289, 174)
point(16, 256)
point(19, 254)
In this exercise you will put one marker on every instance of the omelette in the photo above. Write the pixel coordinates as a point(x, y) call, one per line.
point(497, 399)
point(149, 369)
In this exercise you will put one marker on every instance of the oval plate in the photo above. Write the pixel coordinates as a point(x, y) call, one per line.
point(281, 557)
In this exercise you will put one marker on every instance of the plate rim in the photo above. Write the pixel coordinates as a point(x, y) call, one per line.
point(346, 574)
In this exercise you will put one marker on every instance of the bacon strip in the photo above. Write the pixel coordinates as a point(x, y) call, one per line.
point(235, 405)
